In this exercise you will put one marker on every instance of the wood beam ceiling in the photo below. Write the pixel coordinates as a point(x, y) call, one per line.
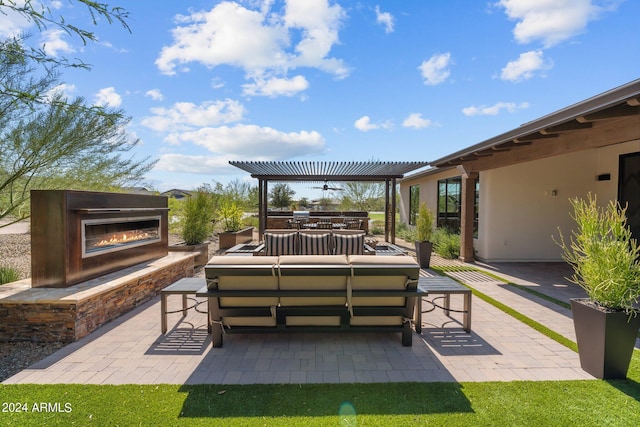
point(628, 108)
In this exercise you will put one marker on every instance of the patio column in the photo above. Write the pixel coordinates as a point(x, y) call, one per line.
point(386, 210)
point(392, 217)
point(262, 206)
point(467, 214)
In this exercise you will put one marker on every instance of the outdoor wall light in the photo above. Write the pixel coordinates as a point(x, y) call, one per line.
point(554, 192)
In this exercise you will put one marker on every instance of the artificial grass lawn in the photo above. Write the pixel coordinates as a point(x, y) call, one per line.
point(561, 403)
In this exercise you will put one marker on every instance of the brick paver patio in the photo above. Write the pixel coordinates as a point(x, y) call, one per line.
point(499, 348)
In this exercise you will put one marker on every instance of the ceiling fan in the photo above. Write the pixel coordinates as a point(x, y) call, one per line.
point(325, 187)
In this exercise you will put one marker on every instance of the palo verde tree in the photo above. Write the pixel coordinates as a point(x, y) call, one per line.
point(48, 141)
point(43, 17)
point(56, 142)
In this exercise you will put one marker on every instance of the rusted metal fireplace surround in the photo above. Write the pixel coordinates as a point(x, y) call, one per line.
point(79, 235)
point(95, 256)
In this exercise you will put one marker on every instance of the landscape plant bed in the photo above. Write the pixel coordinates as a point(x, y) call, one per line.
point(229, 239)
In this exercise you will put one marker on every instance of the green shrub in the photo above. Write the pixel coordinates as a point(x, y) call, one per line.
point(424, 223)
point(197, 217)
point(603, 254)
point(230, 215)
point(377, 227)
point(446, 243)
point(406, 232)
point(8, 274)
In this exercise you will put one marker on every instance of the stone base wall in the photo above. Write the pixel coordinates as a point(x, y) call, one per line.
point(70, 316)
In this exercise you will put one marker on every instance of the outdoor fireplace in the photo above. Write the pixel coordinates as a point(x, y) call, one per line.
point(79, 235)
point(102, 236)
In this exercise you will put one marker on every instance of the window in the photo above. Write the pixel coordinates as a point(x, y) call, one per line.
point(414, 203)
point(449, 203)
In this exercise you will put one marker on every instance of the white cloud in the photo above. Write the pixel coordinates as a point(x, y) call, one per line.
point(495, 109)
point(214, 165)
point(108, 97)
point(364, 124)
point(67, 90)
point(154, 94)
point(188, 116)
point(549, 20)
point(254, 142)
point(386, 19)
point(416, 121)
point(54, 43)
point(258, 40)
point(276, 86)
point(12, 23)
point(526, 66)
point(435, 70)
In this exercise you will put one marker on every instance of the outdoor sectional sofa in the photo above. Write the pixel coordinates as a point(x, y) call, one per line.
point(296, 293)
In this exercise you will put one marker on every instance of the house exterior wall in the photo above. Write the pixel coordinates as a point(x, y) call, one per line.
point(428, 191)
point(518, 212)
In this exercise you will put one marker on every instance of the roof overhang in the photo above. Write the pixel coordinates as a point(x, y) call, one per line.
point(616, 104)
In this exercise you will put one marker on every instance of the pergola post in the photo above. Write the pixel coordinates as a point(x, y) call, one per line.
point(467, 215)
point(392, 214)
point(386, 210)
point(262, 206)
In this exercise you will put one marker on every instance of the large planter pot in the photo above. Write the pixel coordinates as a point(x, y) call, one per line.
point(202, 249)
point(423, 253)
point(605, 339)
point(229, 239)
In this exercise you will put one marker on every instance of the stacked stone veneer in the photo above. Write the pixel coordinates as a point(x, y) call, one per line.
point(68, 314)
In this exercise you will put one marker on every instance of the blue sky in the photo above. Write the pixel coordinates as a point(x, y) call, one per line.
point(206, 82)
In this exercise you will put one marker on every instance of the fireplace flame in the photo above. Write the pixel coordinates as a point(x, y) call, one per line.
point(124, 237)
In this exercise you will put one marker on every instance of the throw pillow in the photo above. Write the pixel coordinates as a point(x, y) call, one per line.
point(314, 244)
point(349, 244)
point(280, 244)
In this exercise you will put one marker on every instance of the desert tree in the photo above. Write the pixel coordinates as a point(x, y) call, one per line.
point(57, 143)
point(43, 17)
point(281, 195)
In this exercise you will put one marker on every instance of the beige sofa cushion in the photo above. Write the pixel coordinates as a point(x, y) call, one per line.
point(244, 273)
point(362, 264)
point(313, 272)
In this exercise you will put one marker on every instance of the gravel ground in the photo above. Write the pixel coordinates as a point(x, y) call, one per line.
point(15, 251)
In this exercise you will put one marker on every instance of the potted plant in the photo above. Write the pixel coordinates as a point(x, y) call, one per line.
point(424, 229)
point(604, 257)
point(230, 217)
point(196, 225)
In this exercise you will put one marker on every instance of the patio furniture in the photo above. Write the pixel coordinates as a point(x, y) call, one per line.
point(302, 242)
point(322, 293)
point(245, 249)
point(389, 249)
point(186, 286)
point(444, 286)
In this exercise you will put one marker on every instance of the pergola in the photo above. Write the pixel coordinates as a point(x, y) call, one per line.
point(373, 171)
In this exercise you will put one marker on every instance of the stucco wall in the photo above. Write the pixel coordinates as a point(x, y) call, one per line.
point(519, 213)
